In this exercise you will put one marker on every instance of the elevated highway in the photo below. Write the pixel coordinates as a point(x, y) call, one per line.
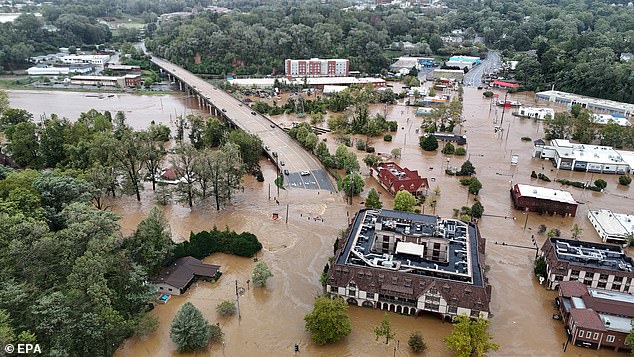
point(286, 153)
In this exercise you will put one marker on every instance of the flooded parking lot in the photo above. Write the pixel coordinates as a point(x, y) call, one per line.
point(272, 317)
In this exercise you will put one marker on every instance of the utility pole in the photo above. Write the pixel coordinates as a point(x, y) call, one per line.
point(287, 213)
point(269, 192)
point(238, 300)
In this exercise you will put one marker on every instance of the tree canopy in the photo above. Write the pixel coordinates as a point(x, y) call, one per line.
point(328, 322)
point(470, 337)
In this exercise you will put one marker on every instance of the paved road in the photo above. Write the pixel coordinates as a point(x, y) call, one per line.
point(473, 78)
point(294, 157)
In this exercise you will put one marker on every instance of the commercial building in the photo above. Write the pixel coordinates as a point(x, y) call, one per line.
point(316, 67)
point(315, 82)
point(411, 263)
point(123, 69)
point(605, 119)
point(612, 227)
point(43, 70)
point(543, 200)
point(456, 74)
point(504, 84)
point(535, 113)
point(394, 178)
point(595, 318)
point(596, 265)
point(407, 63)
point(474, 60)
point(178, 276)
point(460, 64)
point(129, 80)
point(97, 60)
point(583, 157)
point(597, 106)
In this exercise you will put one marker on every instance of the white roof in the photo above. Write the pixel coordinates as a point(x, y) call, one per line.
point(626, 220)
point(334, 89)
point(258, 82)
point(617, 323)
point(536, 109)
point(546, 193)
point(603, 119)
point(314, 81)
point(86, 57)
point(608, 221)
point(611, 295)
point(583, 99)
point(410, 248)
point(590, 153)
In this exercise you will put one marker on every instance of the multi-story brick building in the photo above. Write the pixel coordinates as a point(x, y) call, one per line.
point(411, 263)
point(596, 265)
point(394, 178)
point(316, 67)
point(595, 318)
point(543, 200)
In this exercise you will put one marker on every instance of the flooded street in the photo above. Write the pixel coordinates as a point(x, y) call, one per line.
point(272, 317)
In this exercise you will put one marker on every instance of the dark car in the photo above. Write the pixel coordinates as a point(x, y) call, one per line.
point(285, 172)
point(253, 113)
point(224, 110)
point(281, 163)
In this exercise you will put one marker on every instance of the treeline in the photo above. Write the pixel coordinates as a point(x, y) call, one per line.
point(203, 244)
point(68, 280)
point(116, 159)
point(573, 45)
point(577, 125)
point(260, 40)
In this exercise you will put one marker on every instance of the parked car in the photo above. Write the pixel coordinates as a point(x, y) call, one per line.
point(224, 110)
point(281, 163)
point(253, 113)
point(286, 172)
point(305, 173)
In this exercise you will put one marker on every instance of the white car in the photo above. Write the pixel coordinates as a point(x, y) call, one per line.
point(305, 173)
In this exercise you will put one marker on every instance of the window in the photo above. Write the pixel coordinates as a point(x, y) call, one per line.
point(452, 309)
point(370, 295)
point(596, 336)
point(170, 289)
point(333, 289)
point(475, 313)
point(610, 338)
point(588, 334)
point(574, 272)
point(581, 333)
point(603, 276)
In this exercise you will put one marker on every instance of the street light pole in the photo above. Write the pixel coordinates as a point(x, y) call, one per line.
point(238, 300)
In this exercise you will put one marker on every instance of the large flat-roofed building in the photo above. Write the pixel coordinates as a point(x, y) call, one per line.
point(612, 227)
point(316, 67)
point(597, 265)
point(474, 60)
point(583, 157)
point(543, 200)
point(595, 318)
point(129, 80)
point(597, 106)
point(456, 74)
point(97, 60)
point(411, 263)
point(535, 113)
point(605, 119)
point(394, 178)
point(316, 82)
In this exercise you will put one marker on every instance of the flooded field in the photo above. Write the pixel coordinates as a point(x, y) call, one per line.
point(140, 110)
point(272, 317)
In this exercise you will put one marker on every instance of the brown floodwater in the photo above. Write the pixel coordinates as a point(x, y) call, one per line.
point(272, 317)
point(140, 110)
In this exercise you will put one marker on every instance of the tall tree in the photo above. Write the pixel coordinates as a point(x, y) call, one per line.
point(404, 201)
point(183, 164)
point(128, 154)
point(151, 245)
point(24, 146)
point(189, 331)
point(373, 200)
point(261, 273)
point(470, 337)
point(328, 322)
point(384, 329)
point(153, 154)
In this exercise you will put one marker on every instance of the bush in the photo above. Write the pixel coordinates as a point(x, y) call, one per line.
point(460, 152)
point(533, 174)
point(450, 172)
point(465, 182)
point(467, 169)
point(360, 144)
point(543, 177)
point(448, 149)
point(392, 125)
point(625, 180)
point(226, 308)
point(540, 267)
point(416, 342)
point(204, 243)
point(600, 183)
point(387, 137)
point(259, 176)
point(370, 149)
point(428, 143)
point(487, 94)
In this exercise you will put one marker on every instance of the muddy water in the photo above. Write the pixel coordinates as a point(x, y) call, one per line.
point(272, 317)
point(140, 110)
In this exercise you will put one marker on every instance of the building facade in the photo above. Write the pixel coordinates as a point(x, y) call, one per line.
point(535, 113)
point(393, 178)
point(612, 227)
point(411, 264)
point(316, 67)
point(586, 158)
point(595, 318)
point(97, 60)
point(176, 278)
point(543, 200)
point(596, 265)
point(129, 80)
point(597, 106)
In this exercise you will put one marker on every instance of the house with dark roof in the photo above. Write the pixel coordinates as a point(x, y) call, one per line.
point(595, 318)
point(598, 265)
point(393, 178)
point(178, 276)
point(411, 264)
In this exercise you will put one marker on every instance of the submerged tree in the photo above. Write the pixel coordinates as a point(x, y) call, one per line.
point(190, 331)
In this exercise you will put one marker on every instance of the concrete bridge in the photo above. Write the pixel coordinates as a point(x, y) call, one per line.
point(304, 170)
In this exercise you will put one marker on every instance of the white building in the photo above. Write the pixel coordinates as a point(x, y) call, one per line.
point(605, 119)
point(598, 106)
point(456, 74)
point(535, 113)
point(460, 64)
point(582, 157)
point(612, 227)
point(97, 60)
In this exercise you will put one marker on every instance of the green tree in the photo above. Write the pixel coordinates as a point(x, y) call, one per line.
point(384, 329)
point(477, 210)
point(373, 200)
point(11, 117)
point(576, 231)
point(470, 337)
point(416, 342)
point(539, 267)
point(448, 149)
point(328, 322)
point(24, 146)
point(190, 331)
point(184, 167)
point(353, 184)
point(467, 169)
point(52, 142)
point(226, 308)
point(261, 273)
point(625, 180)
point(600, 183)
point(151, 245)
point(404, 201)
point(4, 102)
point(371, 160)
point(474, 186)
point(428, 143)
point(250, 147)
point(6, 330)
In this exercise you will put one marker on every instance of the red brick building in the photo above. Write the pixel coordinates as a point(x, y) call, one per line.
point(316, 67)
point(543, 200)
point(595, 318)
point(394, 178)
